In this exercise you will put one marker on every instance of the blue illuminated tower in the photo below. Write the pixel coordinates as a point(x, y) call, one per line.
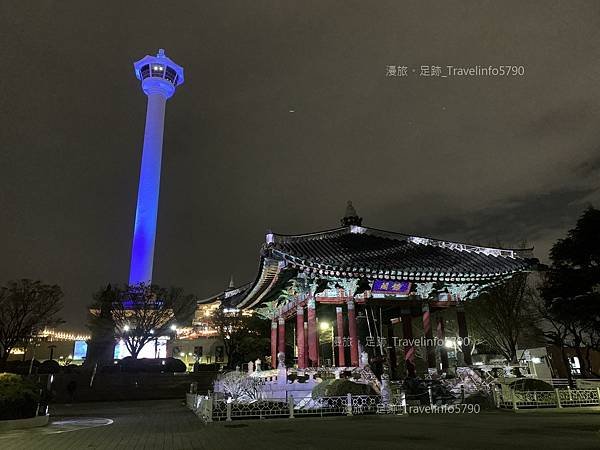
point(160, 76)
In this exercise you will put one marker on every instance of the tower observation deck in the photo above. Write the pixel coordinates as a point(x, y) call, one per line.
point(160, 76)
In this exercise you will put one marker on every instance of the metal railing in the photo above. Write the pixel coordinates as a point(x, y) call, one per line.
point(209, 408)
point(558, 398)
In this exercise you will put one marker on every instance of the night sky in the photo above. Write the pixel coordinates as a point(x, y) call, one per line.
point(285, 114)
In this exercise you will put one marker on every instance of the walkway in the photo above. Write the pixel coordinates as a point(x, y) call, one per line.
point(166, 424)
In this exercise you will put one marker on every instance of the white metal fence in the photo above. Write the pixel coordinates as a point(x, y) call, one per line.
point(558, 398)
point(209, 408)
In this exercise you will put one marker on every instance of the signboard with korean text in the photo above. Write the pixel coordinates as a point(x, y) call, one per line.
point(391, 287)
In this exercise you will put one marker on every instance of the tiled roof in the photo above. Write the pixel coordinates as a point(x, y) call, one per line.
point(358, 252)
point(353, 252)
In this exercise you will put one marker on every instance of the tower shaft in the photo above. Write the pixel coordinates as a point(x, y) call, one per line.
point(160, 76)
point(146, 213)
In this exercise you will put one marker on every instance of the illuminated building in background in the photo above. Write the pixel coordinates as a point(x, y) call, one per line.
point(159, 76)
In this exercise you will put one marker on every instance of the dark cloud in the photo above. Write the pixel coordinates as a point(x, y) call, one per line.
point(590, 168)
point(481, 159)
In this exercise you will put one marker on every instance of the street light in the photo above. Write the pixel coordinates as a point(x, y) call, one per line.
point(126, 328)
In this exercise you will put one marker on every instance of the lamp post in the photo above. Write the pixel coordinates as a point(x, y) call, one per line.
point(51, 348)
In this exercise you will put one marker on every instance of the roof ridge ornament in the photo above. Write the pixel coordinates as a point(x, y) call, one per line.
point(351, 217)
point(489, 251)
point(269, 238)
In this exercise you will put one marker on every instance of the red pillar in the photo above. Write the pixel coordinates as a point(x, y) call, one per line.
point(300, 336)
point(428, 331)
point(340, 336)
point(442, 338)
point(306, 360)
point(409, 348)
point(352, 331)
point(281, 336)
point(464, 334)
point(391, 348)
point(313, 356)
point(274, 344)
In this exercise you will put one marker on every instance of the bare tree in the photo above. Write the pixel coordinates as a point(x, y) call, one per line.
point(503, 314)
point(142, 313)
point(26, 307)
point(245, 337)
point(557, 334)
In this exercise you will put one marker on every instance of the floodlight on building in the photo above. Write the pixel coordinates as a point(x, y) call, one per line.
point(324, 326)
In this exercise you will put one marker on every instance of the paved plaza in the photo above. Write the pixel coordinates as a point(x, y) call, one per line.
point(167, 424)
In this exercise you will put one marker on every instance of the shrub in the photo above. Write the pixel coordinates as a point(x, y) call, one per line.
point(18, 397)
point(21, 367)
point(206, 367)
point(110, 368)
point(72, 368)
point(49, 366)
point(175, 365)
point(239, 386)
point(481, 399)
point(530, 384)
point(339, 387)
point(149, 365)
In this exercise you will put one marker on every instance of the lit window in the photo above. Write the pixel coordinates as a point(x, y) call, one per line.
point(157, 71)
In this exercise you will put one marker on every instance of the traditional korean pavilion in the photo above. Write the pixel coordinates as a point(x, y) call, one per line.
point(368, 279)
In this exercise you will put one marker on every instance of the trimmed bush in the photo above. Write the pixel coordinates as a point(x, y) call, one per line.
point(339, 387)
point(18, 397)
point(530, 384)
point(479, 398)
point(175, 365)
point(21, 367)
point(149, 365)
point(49, 366)
point(206, 367)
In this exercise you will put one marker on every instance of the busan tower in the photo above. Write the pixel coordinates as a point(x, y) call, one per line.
point(159, 76)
